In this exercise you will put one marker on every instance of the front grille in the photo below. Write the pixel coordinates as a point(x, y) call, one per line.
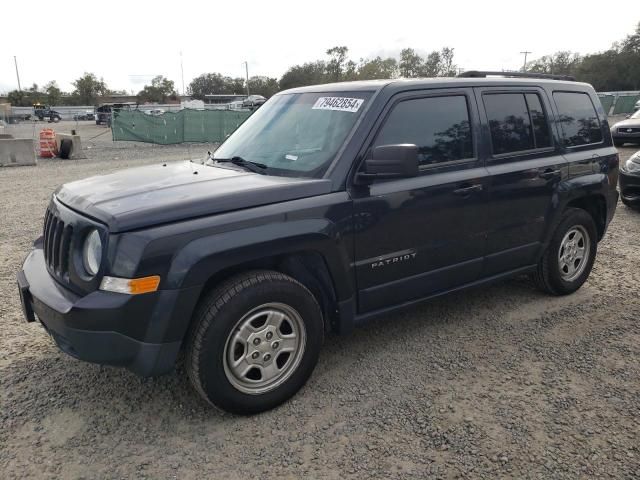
point(57, 243)
point(628, 129)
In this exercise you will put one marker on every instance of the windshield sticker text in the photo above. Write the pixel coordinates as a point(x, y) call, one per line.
point(341, 104)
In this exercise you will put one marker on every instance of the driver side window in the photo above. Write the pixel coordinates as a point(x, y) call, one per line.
point(439, 126)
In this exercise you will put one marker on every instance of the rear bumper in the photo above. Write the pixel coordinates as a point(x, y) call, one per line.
point(630, 188)
point(135, 332)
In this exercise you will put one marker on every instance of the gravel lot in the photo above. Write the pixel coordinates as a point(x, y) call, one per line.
point(492, 383)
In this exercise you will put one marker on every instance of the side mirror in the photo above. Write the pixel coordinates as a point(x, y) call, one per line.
point(391, 161)
point(628, 115)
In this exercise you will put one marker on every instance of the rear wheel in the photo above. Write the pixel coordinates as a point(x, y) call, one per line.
point(255, 342)
point(567, 261)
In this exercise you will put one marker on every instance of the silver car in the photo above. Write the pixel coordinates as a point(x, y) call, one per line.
point(627, 131)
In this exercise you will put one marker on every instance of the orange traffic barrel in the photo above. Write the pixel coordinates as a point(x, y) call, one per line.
point(48, 146)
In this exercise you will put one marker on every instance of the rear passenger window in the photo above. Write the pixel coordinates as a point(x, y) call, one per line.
point(578, 119)
point(517, 122)
point(439, 126)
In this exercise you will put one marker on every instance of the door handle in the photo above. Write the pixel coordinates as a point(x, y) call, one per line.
point(549, 173)
point(467, 190)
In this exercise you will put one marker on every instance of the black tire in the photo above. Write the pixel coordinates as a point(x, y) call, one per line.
point(548, 276)
point(221, 313)
point(66, 145)
point(628, 204)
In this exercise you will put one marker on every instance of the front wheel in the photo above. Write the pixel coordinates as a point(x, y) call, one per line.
point(567, 261)
point(254, 342)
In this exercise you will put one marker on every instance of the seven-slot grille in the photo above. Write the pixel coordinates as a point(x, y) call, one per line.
point(57, 243)
point(628, 129)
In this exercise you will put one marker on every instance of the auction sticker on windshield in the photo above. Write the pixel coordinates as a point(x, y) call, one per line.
point(341, 104)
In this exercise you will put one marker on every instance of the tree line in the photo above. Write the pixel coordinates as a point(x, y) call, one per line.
point(617, 68)
point(87, 89)
point(337, 67)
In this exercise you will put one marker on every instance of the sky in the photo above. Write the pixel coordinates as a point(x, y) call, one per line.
point(129, 42)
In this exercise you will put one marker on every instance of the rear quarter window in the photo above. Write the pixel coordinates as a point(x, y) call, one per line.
point(578, 119)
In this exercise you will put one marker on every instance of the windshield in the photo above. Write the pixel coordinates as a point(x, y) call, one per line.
point(636, 114)
point(296, 134)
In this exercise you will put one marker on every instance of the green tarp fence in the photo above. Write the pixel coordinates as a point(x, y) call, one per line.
point(607, 102)
point(624, 104)
point(206, 126)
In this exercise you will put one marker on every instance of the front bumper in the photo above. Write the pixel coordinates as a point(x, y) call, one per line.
point(626, 137)
point(138, 332)
point(630, 188)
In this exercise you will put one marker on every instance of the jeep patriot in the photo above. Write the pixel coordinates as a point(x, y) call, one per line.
point(330, 205)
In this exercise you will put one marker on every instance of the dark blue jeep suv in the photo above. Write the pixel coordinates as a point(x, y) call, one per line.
point(330, 205)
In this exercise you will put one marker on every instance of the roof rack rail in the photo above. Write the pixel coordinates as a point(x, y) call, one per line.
point(483, 74)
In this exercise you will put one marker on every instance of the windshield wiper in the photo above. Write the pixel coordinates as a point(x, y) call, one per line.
point(247, 164)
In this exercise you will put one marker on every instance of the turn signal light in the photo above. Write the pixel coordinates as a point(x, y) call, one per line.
point(130, 286)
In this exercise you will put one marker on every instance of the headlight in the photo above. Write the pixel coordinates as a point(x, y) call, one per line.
point(92, 252)
point(632, 166)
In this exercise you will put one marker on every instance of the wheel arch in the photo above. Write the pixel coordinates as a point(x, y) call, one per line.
point(595, 205)
point(308, 267)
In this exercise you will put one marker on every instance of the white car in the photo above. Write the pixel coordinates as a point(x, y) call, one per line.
point(636, 107)
point(154, 113)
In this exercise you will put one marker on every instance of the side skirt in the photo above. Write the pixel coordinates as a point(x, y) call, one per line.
point(367, 317)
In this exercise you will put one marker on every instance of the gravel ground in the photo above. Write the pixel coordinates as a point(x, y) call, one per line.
point(496, 382)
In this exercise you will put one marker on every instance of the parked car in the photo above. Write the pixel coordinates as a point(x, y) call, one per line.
point(105, 112)
point(253, 101)
point(627, 131)
point(383, 194)
point(630, 181)
point(86, 115)
point(42, 112)
point(156, 112)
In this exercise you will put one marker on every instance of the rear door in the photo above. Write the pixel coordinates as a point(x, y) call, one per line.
point(421, 235)
point(581, 133)
point(526, 166)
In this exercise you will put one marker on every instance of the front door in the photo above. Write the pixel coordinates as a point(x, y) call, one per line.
point(422, 235)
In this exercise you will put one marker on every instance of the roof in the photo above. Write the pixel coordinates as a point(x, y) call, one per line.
point(375, 85)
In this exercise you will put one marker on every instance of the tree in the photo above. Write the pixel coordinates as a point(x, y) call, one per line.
point(160, 89)
point(307, 74)
point(19, 98)
point(215, 84)
point(88, 88)
point(377, 68)
point(54, 94)
point(560, 63)
point(264, 86)
point(411, 64)
point(447, 67)
point(431, 66)
point(336, 64)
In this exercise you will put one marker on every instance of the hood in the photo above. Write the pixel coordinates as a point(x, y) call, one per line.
point(145, 196)
point(629, 122)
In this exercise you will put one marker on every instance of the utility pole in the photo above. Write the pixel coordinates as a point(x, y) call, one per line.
point(246, 66)
point(17, 74)
point(524, 66)
point(182, 71)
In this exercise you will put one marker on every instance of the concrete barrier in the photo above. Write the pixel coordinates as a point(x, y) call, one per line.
point(16, 152)
point(76, 145)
